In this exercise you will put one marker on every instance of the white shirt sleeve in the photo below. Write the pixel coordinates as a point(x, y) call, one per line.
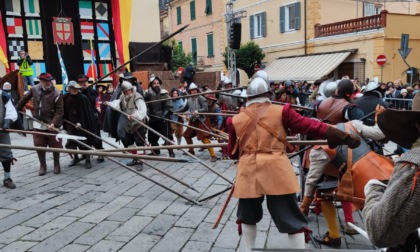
point(371, 132)
point(141, 111)
point(10, 111)
point(115, 104)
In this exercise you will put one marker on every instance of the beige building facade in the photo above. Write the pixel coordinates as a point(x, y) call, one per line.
point(205, 37)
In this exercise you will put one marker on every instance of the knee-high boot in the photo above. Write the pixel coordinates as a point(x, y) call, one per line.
point(297, 241)
point(42, 162)
point(249, 235)
point(57, 168)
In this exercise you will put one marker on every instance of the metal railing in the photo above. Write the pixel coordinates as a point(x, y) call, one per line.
point(352, 25)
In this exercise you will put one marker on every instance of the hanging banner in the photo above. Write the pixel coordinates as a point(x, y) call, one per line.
point(63, 30)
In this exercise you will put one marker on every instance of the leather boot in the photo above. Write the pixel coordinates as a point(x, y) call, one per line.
point(171, 153)
point(297, 241)
point(42, 162)
point(75, 160)
point(249, 235)
point(88, 165)
point(57, 168)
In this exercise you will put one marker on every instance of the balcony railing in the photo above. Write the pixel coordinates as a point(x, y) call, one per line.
point(352, 25)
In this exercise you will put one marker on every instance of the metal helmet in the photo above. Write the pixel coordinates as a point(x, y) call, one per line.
point(257, 86)
point(126, 86)
point(328, 89)
point(262, 74)
point(372, 85)
point(226, 81)
point(193, 86)
point(72, 84)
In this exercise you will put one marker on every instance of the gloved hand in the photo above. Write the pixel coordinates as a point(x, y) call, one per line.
point(78, 125)
point(337, 137)
point(7, 123)
point(374, 183)
point(306, 203)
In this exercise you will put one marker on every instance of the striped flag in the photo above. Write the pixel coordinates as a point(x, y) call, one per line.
point(3, 46)
point(64, 77)
point(93, 61)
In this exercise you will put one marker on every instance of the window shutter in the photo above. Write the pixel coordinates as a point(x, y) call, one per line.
point(282, 19)
point(192, 10)
point(194, 50)
point(210, 52)
point(178, 15)
point(251, 25)
point(297, 16)
point(208, 7)
point(264, 24)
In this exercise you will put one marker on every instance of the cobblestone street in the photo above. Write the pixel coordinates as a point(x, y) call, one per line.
point(109, 208)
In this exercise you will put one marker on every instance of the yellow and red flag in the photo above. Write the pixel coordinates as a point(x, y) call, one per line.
point(3, 46)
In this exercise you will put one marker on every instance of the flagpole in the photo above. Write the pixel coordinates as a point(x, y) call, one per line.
point(92, 62)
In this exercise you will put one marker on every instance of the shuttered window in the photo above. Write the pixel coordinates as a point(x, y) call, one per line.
point(192, 10)
point(178, 15)
point(290, 17)
point(194, 50)
point(180, 46)
point(258, 25)
point(208, 10)
point(210, 51)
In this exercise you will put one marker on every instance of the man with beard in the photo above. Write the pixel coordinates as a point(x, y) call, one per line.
point(130, 131)
point(78, 111)
point(195, 105)
point(230, 103)
point(158, 111)
point(48, 107)
point(7, 88)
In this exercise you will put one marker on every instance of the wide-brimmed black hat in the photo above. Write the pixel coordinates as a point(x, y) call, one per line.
point(399, 126)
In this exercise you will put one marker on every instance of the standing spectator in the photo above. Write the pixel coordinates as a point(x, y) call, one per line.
point(182, 90)
point(177, 104)
point(109, 90)
point(291, 92)
point(9, 115)
point(158, 111)
point(48, 108)
point(189, 74)
point(25, 68)
point(404, 103)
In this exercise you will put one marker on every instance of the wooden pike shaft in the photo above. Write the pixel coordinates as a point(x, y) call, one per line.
point(189, 126)
point(123, 165)
point(146, 50)
point(172, 142)
point(29, 132)
point(210, 114)
point(192, 95)
point(151, 166)
point(173, 147)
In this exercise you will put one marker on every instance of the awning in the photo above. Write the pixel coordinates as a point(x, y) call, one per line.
point(309, 67)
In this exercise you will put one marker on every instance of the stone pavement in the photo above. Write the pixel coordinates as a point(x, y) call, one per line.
point(109, 208)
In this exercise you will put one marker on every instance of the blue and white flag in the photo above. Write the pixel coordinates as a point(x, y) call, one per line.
point(64, 77)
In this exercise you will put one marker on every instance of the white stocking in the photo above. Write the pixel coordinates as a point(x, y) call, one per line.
point(249, 234)
point(297, 241)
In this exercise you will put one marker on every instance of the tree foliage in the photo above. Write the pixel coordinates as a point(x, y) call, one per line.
point(247, 56)
point(179, 58)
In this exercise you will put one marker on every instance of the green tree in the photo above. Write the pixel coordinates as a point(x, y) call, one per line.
point(247, 56)
point(179, 58)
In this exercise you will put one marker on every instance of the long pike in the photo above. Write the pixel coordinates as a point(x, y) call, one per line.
point(172, 142)
point(121, 164)
point(62, 136)
point(192, 95)
point(189, 126)
point(146, 50)
point(115, 146)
